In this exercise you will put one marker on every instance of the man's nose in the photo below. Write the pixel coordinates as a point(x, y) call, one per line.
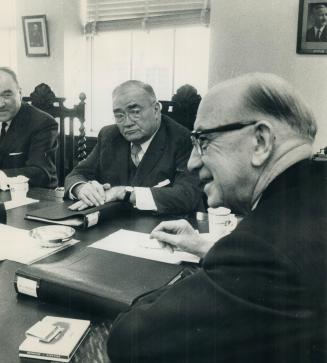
point(2, 102)
point(195, 161)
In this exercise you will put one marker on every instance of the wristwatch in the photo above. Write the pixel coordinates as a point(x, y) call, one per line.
point(128, 192)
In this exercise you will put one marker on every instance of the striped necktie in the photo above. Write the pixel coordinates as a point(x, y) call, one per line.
point(318, 35)
point(135, 149)
point(3, 130)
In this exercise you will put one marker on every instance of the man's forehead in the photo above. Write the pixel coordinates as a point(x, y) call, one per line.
point(220, 106)
point(6, 80)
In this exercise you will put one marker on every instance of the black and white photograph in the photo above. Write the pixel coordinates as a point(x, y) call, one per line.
point(312, 27)
point(36, 36)
point(163, 181)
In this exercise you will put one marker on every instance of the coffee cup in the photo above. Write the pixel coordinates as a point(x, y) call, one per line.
point(221, 221)
point(18, 187)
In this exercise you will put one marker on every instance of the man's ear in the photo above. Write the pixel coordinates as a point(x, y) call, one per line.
point(157, 106)
point(264, 140)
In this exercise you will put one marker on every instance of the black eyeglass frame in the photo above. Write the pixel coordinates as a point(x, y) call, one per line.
point(196, 134)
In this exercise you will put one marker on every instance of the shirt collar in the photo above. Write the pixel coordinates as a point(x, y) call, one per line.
point(320, 29)
point(8, 124)
point(298, 153)
point(145, 145)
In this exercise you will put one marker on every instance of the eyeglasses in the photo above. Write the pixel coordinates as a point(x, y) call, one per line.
point(198, 140)
point(133, 114)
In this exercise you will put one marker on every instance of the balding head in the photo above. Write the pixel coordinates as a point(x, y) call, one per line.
point(260, 96)
point(234, 161)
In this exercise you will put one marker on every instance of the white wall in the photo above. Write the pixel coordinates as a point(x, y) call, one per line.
point(34, 70)
point(64, 69)
point(261, 35)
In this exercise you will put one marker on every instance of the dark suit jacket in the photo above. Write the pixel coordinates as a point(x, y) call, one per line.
point(166, 158)
point(260, 295)
point(29, 147)
point(311, 35)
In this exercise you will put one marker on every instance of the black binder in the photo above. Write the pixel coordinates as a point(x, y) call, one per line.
point(95, 280)
point(60, 214)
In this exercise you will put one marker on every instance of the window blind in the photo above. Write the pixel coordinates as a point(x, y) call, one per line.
point(106, 15)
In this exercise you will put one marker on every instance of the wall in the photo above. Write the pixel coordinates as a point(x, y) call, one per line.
point(63, 69)
point(34, 70)
point(254, 35)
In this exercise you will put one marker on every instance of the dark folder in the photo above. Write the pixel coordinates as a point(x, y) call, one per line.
point(60, 214)
point(94, 280)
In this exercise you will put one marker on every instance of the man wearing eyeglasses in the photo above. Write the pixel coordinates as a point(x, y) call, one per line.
point(28, 137)
point(141, 159)
point(260, 294)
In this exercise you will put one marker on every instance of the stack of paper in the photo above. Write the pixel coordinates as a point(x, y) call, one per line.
point(17, 245)
point(140, 245)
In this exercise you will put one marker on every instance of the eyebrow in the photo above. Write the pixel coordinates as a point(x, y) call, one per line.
point(133, 105)
point(129, 107)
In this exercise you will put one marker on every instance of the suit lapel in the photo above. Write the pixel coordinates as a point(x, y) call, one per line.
point(12, 137)
point(122, 150)
point(152, 156)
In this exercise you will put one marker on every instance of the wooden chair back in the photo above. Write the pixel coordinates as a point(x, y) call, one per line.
point(183, 106)
point(68, 153)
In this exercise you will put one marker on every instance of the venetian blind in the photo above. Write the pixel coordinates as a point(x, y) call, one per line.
point(106, 15)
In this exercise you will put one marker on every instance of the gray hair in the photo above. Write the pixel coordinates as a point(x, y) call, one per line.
point(134, 83)
point(11, 73)
point(272, 96)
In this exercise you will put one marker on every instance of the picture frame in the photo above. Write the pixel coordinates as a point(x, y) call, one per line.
point(36, 38)
point(312, 33)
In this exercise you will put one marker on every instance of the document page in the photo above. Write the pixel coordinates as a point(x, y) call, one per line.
point(17, 245)
point(140, 245)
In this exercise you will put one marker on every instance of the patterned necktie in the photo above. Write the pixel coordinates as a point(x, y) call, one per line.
point(135, 150)
point(3, 130)
point(318, 34)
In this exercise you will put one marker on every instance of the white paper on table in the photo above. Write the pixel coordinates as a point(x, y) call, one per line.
point(17, 245)
point(19, 202)
point(140, 245)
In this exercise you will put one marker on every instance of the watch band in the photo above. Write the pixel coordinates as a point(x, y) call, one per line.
point(128, 192)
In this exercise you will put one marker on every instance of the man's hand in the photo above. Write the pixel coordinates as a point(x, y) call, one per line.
point(115, 193)
point(180, 234)
point(89, 194)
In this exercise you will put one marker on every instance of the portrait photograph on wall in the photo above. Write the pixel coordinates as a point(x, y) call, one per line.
point(312, 27)
point(36, 36)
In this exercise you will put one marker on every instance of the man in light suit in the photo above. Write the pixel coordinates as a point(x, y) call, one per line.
point(141, 159)
point(318, 33)
point(28, 139)
point(260, 294)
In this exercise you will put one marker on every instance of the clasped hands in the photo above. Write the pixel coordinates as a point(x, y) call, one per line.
point(93, 193)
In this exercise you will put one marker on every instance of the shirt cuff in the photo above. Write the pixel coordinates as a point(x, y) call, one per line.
point(70, 194)
point(3, 181)
point(144, 199)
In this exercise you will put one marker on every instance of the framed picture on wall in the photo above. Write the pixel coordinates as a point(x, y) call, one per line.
point(312, 27)
point(36, 36)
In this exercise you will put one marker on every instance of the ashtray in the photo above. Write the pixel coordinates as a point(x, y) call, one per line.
point(52, 236)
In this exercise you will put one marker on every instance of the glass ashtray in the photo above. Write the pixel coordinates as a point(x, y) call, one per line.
point(52, 236)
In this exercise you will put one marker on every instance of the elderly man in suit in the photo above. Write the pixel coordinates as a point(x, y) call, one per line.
point(141, 159)
point(260, 294)
point(28, 139)
point(318, 33)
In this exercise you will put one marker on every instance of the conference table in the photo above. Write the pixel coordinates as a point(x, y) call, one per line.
point(19, 312)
